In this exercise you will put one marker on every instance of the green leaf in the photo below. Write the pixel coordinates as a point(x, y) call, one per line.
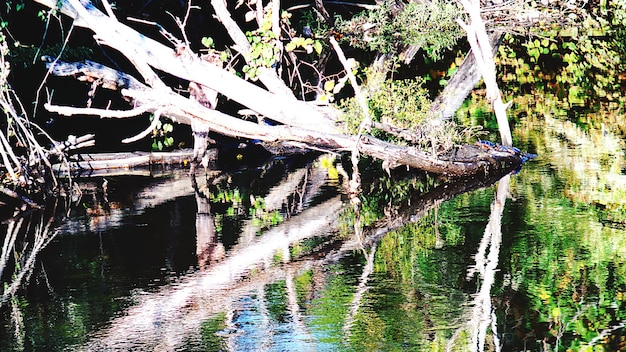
point(291, 46)
point(329, 85)
point(207, 42)
point(267, 25)
point(317, 45)
point(256, 51)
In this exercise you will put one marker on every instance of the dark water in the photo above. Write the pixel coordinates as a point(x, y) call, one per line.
point(266, 258)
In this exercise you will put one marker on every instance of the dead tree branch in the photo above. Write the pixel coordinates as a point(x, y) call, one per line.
point(302, 123)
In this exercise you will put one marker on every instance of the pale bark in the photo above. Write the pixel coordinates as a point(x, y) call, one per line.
point(188, 66)
point(267, 76)
point(483, 53)
point(461, 84)
point(184, 110)
point(303, 124)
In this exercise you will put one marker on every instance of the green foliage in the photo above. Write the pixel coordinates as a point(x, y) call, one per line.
point(161, 137)
point(581, 63)
point(262, 218)
point(330, 307)
point(13, 5)
point(384, 106)
point(276, 298)
point(209, 330)
point(411, 114)
point(207, 42)
point(308, 44)
point(430, 26)
point(236, 209)
point(265, 48)
point(308, 22)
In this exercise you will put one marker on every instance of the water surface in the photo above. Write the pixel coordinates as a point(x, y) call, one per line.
point(266, 258)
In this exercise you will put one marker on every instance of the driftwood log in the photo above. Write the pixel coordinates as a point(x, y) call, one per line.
point(301, 123)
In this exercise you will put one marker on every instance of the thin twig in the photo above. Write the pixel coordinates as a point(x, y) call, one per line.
point(367, 121)
point(155, 121)
point(51, 67)
point(363, 6)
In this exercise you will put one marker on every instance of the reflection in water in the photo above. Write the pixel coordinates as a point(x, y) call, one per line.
point(277, 266)
point(27, 234)
point(165, 319)
point(360, 289)
point(487, 258)
point(208, 248)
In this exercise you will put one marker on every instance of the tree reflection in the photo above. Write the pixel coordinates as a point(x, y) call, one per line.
point(28, 232)
point(487, 258)
point(277, 285)
point(208, 248)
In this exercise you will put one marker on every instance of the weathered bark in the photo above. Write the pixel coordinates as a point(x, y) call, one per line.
point(206, 97)
point(303, 124)
point(483, 53)
point(184, 110)
point(91, 164)
point(462, 82)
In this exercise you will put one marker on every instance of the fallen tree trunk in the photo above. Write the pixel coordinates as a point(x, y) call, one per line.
point(303, 125)
point(104, 163)
point(463, 161)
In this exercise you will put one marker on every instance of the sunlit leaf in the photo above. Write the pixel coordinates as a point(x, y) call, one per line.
point(317, 45)
point(207, 42)
point(329, 85)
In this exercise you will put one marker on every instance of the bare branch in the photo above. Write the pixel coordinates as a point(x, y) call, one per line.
point(481, 48)
point(279, 107)
point(367, 121)
point(108, 9)
point(269, 77)
point(116, 114)
point(155, 122)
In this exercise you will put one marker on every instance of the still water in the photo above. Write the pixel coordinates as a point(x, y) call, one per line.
point(267, 258)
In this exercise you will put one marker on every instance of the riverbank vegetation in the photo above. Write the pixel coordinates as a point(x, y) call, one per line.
point(291, 75)
point(410, 245)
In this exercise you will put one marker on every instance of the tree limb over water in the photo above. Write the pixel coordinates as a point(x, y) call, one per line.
point(301, 122)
